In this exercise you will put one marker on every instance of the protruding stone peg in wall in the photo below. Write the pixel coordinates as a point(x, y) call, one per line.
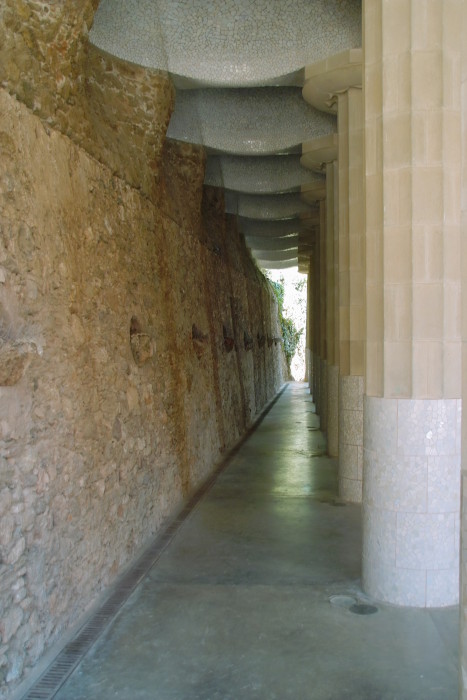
point(142, 346)
point(199, 339)
point(247, 341)
point(14, 359)
point(229, 340)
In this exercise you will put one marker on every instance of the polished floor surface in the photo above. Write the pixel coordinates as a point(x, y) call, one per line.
point(238, 605)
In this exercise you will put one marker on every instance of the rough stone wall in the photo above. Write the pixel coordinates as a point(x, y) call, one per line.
point(117, 111)
point(42, 47)
point(126, 367)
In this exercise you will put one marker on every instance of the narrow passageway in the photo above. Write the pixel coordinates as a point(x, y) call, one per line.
point(238, 605)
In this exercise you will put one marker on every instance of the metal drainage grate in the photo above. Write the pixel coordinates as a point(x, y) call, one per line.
point(66, 661)
point(363, 609)
point(352, 604)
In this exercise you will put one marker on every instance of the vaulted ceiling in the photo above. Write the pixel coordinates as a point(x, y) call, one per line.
point(254, 85)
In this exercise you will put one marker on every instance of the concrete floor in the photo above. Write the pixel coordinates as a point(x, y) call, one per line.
point(238, 605)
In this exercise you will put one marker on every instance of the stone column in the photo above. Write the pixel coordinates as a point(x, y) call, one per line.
point(309, 325)
point(463, 579)
point(412, 404)
point(351, 293)
point(322, 410)
point(316, 349)
point(315, 155)
point(332, 298)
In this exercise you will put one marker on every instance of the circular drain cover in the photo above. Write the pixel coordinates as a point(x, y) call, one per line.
point(363, 609)
point(343, 601)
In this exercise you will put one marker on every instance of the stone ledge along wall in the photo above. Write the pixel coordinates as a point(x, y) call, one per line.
point(136, 346)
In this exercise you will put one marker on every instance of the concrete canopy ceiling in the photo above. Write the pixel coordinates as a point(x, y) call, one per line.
point(259, 175)
point(249, 121)
point(239, 68)
point(266, 207)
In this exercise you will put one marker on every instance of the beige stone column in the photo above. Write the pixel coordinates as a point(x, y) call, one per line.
point(412, 206)
point(309, 324)
point(316, 155)
point(332, 299)
point(351, 293)
point(322, 408)
point(329, 87)
point(316, 350)
point(463, 578)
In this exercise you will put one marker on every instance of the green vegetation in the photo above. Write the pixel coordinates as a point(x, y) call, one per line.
point(290, 334)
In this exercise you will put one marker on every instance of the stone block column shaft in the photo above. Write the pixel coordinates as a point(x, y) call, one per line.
point(316, 348)
point(332, 298)
point(309, 325)
point(351, 293)
point(463, 578)
point(411, 472)
point(322, 408)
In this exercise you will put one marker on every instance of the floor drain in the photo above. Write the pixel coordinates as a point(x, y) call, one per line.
point(363, 609)
point(343, 601)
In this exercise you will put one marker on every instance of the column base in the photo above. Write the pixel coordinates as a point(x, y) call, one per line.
point(316, 382)
point(333, 410)
point(411, 496)
point(323, 395)
point(351, 438)
point(308, 368)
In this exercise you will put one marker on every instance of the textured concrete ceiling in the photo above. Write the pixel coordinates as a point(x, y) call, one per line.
point(259, 175)
point(249, 121)
point(268, 208)
point(239, 69)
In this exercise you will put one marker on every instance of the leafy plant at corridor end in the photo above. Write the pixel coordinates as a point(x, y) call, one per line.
point(290, 334)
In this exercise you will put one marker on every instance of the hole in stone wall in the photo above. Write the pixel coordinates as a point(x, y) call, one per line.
point(141, 344)
point(16, 348)
point(247, 341)
point(199, 340)
point(261, 340)
point(229, 340)
point(197, 334)
point(135, 326)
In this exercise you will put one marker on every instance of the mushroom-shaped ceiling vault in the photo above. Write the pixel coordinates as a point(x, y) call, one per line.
point(239, 69)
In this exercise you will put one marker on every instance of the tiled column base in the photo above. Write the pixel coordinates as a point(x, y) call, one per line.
point(333, 410)
point(411, 496)
point(350, 438)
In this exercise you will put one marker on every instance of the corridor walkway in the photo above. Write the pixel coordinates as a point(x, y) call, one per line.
point(238, 605)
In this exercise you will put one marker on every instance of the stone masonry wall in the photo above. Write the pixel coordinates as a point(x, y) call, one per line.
point(118, 112)
point(136, 346)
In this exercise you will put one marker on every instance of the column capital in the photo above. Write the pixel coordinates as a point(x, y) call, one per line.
point(316, 154)
point(325, 80)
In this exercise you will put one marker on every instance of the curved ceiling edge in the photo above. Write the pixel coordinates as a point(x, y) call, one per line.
point(233, 43)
